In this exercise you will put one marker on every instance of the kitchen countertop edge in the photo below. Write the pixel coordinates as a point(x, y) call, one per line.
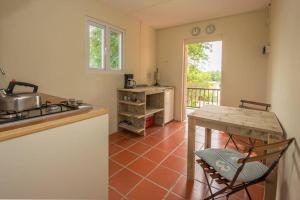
point(53, 123)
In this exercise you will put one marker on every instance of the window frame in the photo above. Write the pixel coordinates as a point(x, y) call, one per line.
point(108, 28)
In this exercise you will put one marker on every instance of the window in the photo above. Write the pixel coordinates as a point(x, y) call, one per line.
point(115, 58)
point(105, 46)
point(96, 46)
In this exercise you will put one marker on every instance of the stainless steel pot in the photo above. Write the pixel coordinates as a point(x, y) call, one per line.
point(11, 102)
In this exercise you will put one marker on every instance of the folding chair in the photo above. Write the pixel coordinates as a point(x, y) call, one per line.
point(253, 105)
point(238, 171)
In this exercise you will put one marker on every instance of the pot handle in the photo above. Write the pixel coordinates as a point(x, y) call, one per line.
point(12, 85)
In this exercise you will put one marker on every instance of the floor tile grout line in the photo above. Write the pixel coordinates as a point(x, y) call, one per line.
point(166, 138)
point(116, 152)
point(117, 170)
point(139, 156)
point(152, 133)
point(128, 145)
point(145, 177)
point(166, 167)
point(169, 153)
point(151, 147)
point(144, 152)
point(142, 156)
point(146, 136)
point(141, 141)
point(171, 189)
point(122, 137)
point(127, 148)
point(114, 189)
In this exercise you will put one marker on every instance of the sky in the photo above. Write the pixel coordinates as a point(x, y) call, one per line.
point(214, 62)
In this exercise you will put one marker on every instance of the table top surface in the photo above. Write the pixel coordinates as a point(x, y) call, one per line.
point(239, 117)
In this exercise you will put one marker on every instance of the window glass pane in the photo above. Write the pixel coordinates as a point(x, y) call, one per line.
point(96, 47)
point(115, 50)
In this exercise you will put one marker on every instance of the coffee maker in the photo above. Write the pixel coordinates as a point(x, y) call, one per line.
point(129, 81)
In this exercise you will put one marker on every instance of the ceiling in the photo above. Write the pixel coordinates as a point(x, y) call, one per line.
point(166, 13)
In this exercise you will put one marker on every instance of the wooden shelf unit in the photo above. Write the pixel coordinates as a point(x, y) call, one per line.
point(135, 105)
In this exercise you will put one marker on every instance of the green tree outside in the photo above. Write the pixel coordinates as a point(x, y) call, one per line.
point(197, 78)
point(115, 50)
point(96, 43)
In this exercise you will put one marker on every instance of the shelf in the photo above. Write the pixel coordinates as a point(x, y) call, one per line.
point(150, 102)
point(132, 103)
point(150, 111)
point(127, 114)
point(154, 91)
point(131, 128)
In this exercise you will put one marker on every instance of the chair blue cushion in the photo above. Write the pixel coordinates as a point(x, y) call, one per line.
point(224, 161)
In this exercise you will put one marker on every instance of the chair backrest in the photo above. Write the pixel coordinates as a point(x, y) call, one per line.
point(254, 105)
point(277, 149)
point(272, 151)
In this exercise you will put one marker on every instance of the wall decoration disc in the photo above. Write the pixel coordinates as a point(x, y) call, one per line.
point(196, 31)
point(211, 28)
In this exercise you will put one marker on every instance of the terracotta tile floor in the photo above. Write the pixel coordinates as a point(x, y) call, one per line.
point(154, 167)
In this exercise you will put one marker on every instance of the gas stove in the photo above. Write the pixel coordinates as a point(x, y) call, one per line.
point(46, 111)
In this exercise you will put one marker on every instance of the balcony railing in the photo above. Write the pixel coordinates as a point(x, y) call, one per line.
point(197, 97)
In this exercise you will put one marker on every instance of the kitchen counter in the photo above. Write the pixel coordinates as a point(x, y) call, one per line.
point(26, 128)
point(65, 157)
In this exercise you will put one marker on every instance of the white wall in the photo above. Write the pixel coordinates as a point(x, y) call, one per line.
point(284, 73)
point(244, 67)
point(43, 42)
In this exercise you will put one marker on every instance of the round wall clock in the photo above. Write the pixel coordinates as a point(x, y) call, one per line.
point(196, 31)
point(210, 29)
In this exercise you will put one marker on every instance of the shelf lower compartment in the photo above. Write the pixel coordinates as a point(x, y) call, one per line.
point(128, 114)
point(151, 111)
point(131, 128)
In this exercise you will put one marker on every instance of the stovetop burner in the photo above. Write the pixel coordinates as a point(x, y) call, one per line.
point(11, 115)
point(44, 110)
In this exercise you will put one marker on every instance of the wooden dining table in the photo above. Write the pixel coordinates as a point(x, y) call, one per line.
point(254, 124)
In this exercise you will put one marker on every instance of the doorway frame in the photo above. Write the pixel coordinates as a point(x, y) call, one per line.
point(200, 39)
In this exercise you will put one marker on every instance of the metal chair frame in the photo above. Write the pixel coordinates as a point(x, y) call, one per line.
point(230, 186)
point(245, 104)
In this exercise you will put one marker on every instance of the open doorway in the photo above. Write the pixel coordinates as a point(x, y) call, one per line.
point(202, 81)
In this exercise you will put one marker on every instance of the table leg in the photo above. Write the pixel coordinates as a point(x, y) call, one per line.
point(207, 140)
point(271, 181)
point(191, 149)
